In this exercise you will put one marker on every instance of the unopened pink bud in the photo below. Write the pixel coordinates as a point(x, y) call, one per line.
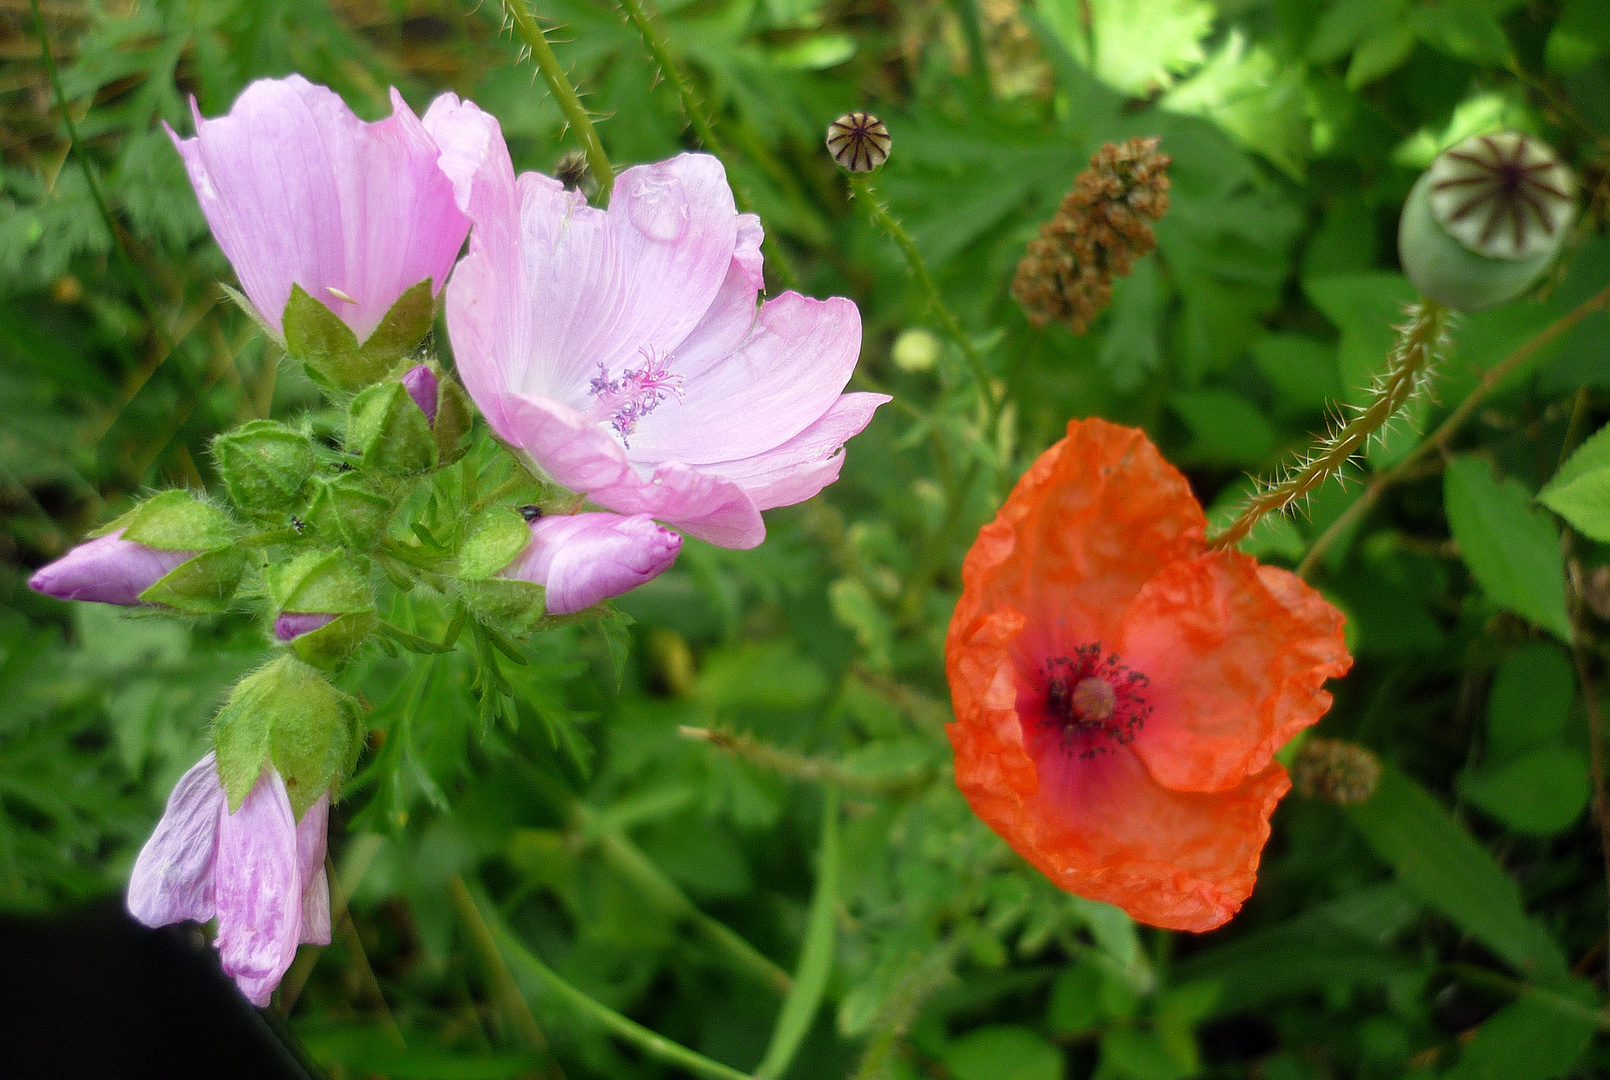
point(290, 625)
point(584, 558)
point(108, 570)
point(420, 382)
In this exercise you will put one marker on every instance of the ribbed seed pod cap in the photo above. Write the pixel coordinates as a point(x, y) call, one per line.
point(858, 141)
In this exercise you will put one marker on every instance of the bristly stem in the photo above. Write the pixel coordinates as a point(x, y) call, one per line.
point(878, 212)
point(1421, 342)
point(655, 1046)
point(565, 94)
point(660, 49)
point(1439, 439)
point(811, 769)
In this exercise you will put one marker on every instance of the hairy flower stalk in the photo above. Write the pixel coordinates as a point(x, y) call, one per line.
point(1101, 228)
point(1422, 341)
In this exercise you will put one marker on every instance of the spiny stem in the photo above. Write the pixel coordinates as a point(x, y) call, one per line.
point(812, 769)
point(659, 48)
point(815, 955)
point(879, 214)
point(1420, 343)
point(1439, 439)
point(565, 94)
point(656, 1046)
point(513, 1004)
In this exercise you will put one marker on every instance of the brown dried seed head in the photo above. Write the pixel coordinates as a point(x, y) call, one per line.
point(1339, 772)
point(1101, 228)
point(858, 141)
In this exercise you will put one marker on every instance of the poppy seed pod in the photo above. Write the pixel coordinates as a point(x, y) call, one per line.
point(859, 142)
point(1486, 220)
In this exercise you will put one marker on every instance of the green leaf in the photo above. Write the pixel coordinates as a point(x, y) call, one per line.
point(1144, 1055)
point(1383, 50)
point(1132, 347)
point(205, 584)
point(388, 431)
point(495, 539)
point(174, 520)
point(1536, 1037)
point(1227, 428)
point(321, 581)
point(1530, 701)
point(1345, 22)
point(1302, 369)
point(1464, 30)
point(1442, 864)
point(1364, 307)
point(1512, 549)
point(1539, 793)
point(1580, 491)
point(1002, 1052)
point(315, 335)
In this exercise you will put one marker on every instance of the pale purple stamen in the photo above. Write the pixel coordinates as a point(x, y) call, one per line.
point(639, 391)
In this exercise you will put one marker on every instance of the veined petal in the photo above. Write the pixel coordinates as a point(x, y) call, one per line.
point(299, 190)
point(312, 835)
point(805, 464)
point(108, 570)
point(1237, 656)
point(584, 558)
point(258, 888)
point(173, 876)
point(738, 403)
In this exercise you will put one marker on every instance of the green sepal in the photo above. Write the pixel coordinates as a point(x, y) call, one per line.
point(263, 465)
point(324, 582)
point(174, 520)
point(454, 417)
point(389, 432)
point(495, 539)
point(203, 585)
point(287, 714)
point(329, 646)
point(317, 337)
point(345, 511)
point(508, 604)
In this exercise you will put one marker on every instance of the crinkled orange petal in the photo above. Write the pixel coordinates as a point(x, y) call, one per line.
point(1098, 514)
point(1237, 655)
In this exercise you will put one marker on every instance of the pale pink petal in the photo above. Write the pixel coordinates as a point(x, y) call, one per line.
point(298, 190)
point(805, 464)
point(470, 142)
point(173, 877)
point(736, 404)
point(258, 888)
point(312, 834)
point(747, 256)
point(108, 570)
point(584, 558)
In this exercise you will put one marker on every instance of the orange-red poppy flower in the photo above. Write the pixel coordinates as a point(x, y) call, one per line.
point(1120, 691)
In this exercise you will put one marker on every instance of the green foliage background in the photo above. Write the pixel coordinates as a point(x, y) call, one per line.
point(1453, 926)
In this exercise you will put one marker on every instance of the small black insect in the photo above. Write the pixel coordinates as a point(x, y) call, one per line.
point(297, 524)
point(531, 513)
point(571, 170)
point(858, 141)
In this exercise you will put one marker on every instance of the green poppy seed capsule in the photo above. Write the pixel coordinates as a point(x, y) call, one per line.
point(1486, 220)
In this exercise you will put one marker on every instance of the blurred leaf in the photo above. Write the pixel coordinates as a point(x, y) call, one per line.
point(1004, 1053)
point(1539, 793)
point(1226, 428)
point(1580, 491)
point(1511, 548)
point(1139, 47)
point(1532, 1038)
point(1530, 700)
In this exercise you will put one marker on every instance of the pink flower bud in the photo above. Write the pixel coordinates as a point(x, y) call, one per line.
point(585, 558)
point(420, 382)
point(257, 870)
point(290, 625)
point(108, 570)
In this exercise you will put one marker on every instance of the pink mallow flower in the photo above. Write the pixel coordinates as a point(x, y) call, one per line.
point(585, 558)
point(108, 569)
point(259, 871)
point(624, 352)
point(298, 190)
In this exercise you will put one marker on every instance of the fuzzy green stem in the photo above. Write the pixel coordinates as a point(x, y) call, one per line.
point(565, 94)
point(1420, 343)
point(881, 218)
point(656, 1046)
point(815, 955)
point(1439, 439)
point(660, 49)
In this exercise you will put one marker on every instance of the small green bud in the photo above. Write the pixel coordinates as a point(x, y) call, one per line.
point(496, 538)
point(454, 416)
point(317, 337)
point(343, 510)
point(506, 603)
point(178, 521)
point(1486, 220)
point(330, 582)
point(263, 465)
point(389, 432)
point(288, 714)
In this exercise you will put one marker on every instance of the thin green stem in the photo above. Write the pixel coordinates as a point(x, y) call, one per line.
point(815, 956)
point(628, 860)
point(878, 213)
point(656, 1046)
point(659, 48)
point(1438, 441)
point(513, 1005)
point(811, 769)
point(565, 94)
point(1408, 372)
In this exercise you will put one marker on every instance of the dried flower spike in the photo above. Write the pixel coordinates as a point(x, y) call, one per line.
point(1101, 228)
point(1339, 772)
point(1486, 220)
point(858, 141)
